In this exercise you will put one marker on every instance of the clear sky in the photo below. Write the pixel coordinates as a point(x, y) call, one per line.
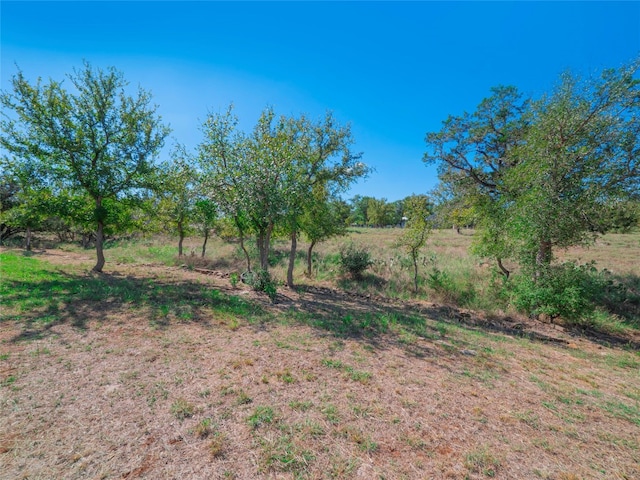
point(393, 70)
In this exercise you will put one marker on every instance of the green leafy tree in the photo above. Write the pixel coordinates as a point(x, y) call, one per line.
point(96, 139)
point(205, 219)
point(324, 218)
point(417, 209)
point(321, 161)
point(474, 152)
point(223, 159)
point(265, 180)
point(582, 151)
point(177, 194)
point(380, 213)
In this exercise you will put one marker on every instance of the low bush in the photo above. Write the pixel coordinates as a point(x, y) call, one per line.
point(354, 260)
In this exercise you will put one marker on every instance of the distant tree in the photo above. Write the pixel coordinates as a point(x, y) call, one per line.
point(417, 209)
point(324, 218)
point(380, 213)
point(97, 140)
point(177, 193)
point(359, 206)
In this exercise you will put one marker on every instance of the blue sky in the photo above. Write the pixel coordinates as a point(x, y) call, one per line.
point(393, 70)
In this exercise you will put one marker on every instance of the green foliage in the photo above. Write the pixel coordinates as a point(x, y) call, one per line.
point(261, 416)
point(262, 281)
point(417, 209)
point(354, 260)
point(95, 142)
point(545, 174)
point(573, 292)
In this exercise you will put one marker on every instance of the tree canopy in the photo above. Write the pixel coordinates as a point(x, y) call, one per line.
point(94, 138)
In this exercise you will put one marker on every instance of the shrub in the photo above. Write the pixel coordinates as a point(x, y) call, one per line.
point(261, 281)
point(567, 290)
point(354, 260)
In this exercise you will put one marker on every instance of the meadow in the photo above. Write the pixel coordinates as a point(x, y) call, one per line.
point(171, 368)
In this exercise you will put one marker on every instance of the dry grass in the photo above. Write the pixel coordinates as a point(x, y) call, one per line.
point(214, 395)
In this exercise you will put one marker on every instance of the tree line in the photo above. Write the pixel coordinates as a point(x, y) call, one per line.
point(531, 175)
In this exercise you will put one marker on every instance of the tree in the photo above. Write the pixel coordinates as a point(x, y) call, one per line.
point(324, 218)
point(582, 152)
point(541, 175)
point(265, 181)
point(205, 218)
point(417, 209)
point(223, 159)
point(380, 213)
point(176, 188)
point(97, 139)
point(321, 161)
point(474, 152)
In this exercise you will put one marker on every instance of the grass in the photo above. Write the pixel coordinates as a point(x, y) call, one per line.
point(102, 375)
point(38, 295)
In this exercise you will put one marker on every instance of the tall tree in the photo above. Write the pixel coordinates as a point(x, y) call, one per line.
point(96, 139)
point(473, 153)
point(582, 152)
point(541, 174)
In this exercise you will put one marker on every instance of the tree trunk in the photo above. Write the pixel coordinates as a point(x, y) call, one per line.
point(264, 242)
point(99, 251)
point(181, 233)
point(241, 236)
point(543, 257)
point(27, 245)
point(505, 272)
point(204, 245)
point(414, 256)
point(292, 258)
point(309, 259)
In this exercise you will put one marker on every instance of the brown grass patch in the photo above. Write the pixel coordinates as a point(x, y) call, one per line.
point(467, 402)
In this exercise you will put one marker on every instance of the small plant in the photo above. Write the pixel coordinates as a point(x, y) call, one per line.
point(216, 446)
point(260, 416)
point(234, 278)
point(204, 428)
point(354, 260)
point(482, 461)
point(182, 409)
point(261, 281)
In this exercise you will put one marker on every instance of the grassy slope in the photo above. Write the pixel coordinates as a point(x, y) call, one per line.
point(156, 372)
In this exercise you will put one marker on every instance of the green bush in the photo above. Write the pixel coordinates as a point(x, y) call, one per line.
point(567, 290)
point(261, 281)
point(354, 260)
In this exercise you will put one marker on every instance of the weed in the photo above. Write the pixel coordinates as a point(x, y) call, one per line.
point(204, 428)
point(217, 446)
point(331, 413)
point(182, 409)
point(260, 416)
point(243, 398)
point(482, 461)
point(286, 376)
point(299, 405)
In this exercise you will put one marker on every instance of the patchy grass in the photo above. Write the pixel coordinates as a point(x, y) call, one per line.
point(159, 372)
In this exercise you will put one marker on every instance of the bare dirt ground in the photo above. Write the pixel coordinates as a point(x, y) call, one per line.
point(211, 396)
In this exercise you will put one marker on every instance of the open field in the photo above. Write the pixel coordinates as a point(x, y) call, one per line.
point(157, 371)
